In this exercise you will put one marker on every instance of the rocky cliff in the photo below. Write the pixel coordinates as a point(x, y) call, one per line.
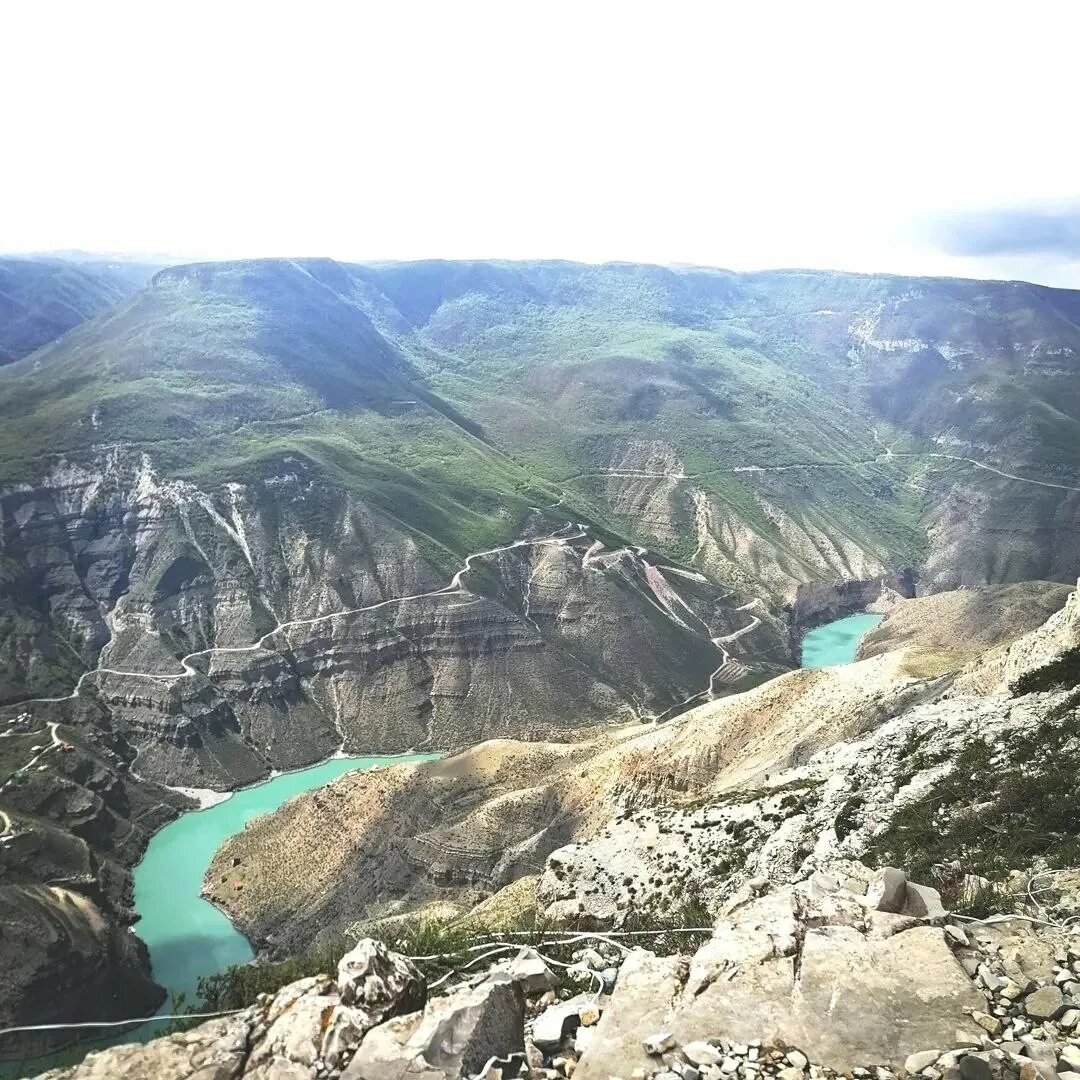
point(746, 785)
point(73, 824)
point(223, 636)
point(863, 976)
point(159, 634)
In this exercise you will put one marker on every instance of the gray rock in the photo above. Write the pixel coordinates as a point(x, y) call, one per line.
point(987, 1022)
point(455, 1036)
point(345, 1030)
point(642, 1002)
point(295, 1027)
point(887, 891)
point(215, 1050)
point(1044, 1003)
point(702, 1053)
point(582, 1039)
point(1069, 1057)
point(915, 1063)
point(923, 902)
point(658, 1043)
point(1042, 1053)
point(531, 973)
point(975, 1068)
point(559, 1020)
point(840, 1007)
point(381, 982)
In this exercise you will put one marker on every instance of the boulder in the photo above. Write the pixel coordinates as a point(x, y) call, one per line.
point(643, 1000)
point(798, 967)
point(700, 1052)
point(973, 1067)
point(455, 1036)
point(559, 1020)
point(215, 1050)
point(295, 1027)
point(922, 902)
point(1044, 1003)
point(381, 982)
point(530, 972)
point(893, 893)
point(921, 1059)
point(886, 891)
point(845, 999)
point(658, 1043)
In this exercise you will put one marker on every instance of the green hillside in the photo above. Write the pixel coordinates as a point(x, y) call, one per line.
point(458, 395)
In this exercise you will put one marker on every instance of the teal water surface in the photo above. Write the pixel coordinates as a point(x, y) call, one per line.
point(836, 642)
point(186, 935)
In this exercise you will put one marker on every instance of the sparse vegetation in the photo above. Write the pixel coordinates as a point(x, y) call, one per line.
point(996, 811)
point(439, 947)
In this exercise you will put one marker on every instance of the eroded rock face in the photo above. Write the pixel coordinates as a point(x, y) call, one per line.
point(792, 969)
point(70, 834)
point(228, 633)
point(213, 636)
point(832, 808)
point(455, 1036)
point(777, 782)
point(64, 957)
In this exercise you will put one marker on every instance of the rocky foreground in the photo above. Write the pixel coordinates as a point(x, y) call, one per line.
point(864, 976)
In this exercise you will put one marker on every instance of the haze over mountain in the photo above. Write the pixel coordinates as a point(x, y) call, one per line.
point(42, 297)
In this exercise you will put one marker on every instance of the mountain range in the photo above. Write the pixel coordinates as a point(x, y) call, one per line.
point(254, 513)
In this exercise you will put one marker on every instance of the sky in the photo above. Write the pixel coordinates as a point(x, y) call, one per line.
point(929, 138)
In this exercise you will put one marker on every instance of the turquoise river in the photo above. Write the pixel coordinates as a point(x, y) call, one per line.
point(836, 641)
point(186, 935)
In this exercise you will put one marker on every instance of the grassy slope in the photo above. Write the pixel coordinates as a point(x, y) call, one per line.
point(457, 395)
point(223, 376)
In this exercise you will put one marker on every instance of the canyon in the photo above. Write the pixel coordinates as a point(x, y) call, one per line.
point(565, 524)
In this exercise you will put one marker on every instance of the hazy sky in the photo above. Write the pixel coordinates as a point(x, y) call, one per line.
point(924, 138)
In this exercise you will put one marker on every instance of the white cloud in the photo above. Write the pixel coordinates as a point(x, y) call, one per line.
point(738, 135)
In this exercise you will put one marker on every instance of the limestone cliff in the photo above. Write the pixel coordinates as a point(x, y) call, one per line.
point(841, 974)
